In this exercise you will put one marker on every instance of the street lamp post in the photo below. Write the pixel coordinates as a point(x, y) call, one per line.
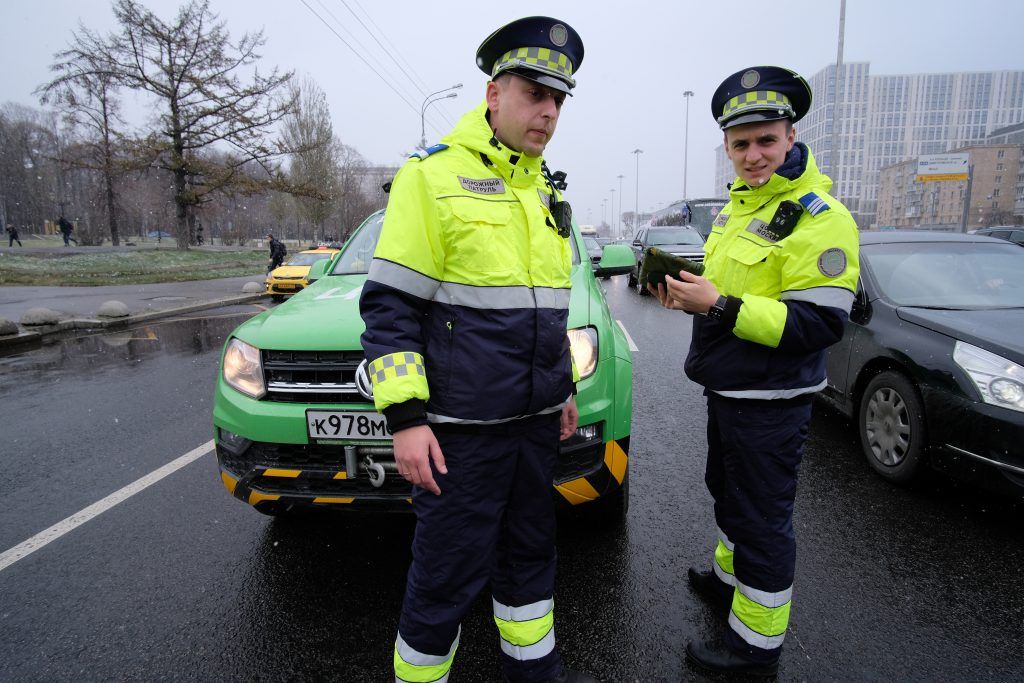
point(686, 141)
point(427, 101)
point(618, 219)
point(636, 206)
point(613, 208)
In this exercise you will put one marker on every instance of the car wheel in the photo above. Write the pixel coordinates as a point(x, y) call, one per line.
point(640, 288)
point(891, 426)
point(274, 508)
point(631, 281)
point(613, 509)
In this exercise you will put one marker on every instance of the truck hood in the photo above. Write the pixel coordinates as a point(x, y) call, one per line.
point(998, 330)
point(322, 317)
point(325, 316)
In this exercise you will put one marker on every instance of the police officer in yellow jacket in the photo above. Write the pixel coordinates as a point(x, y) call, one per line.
point(780, 274)
point(466, 307)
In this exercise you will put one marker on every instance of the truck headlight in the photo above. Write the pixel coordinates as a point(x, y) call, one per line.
point(243, 370)
point(999, 381)
point(583, 344)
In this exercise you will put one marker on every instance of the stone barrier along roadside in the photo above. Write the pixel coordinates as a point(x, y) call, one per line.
point(113, 309)
point(253, 288)
point(7, 327)
point(35, 336)
point(39, 316)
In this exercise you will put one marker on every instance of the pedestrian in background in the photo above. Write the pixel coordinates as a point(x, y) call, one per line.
point(779, 278)
point(466, 310)
point(12, 233)
point(277, 252)
point(66, 228)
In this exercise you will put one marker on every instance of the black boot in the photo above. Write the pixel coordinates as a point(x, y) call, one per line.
point(726, 661)
point(570, 676)
point(710, 587)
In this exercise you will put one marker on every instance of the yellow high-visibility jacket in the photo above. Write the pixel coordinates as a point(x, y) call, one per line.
point(790, 284)
point(467, 299)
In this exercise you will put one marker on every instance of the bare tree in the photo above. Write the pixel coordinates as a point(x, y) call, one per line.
point(313, 172)
point(86, 93)
point(195, 72)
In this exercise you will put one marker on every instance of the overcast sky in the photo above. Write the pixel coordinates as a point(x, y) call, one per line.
point(640, 57)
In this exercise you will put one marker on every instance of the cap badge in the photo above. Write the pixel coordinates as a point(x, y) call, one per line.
point(750, 79)
point(558, 35)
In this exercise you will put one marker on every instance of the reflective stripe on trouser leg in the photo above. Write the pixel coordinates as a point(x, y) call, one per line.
point(527, 632)
point(760, 446)
point(759, 617)
point(524, 580)
point(412, 666)
point(723, 559)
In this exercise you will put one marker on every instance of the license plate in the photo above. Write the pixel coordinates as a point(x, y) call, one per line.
point(336, 424)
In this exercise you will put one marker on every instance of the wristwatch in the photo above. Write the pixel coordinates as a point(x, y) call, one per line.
point(717, 309)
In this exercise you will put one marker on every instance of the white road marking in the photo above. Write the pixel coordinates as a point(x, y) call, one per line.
point(26, 548)
point(632, 346)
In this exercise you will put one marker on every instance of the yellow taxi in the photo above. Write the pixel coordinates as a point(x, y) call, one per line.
point(290, 277)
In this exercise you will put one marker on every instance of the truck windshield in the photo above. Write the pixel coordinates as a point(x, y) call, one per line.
point(355, 258)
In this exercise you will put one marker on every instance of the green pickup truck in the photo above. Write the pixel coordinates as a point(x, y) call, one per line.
point(293, 415)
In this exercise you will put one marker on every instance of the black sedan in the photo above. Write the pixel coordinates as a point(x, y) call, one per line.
point(931, 364)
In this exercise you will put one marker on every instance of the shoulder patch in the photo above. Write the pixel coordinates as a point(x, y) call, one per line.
point(721, 220)
point(832, 262)
point(483, 186)
point(433, 149)
point(814, 204)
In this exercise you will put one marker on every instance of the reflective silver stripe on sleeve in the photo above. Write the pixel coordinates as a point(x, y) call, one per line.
point(412, 656)
point(764, 598)
point(833, 297)
point(534, 610)
point(548, 297)
point(752, 637)
point(772, 393)
point(522, 653)
point(402, 278)
point(725, 539)
point(447, 419)
point(501, 298)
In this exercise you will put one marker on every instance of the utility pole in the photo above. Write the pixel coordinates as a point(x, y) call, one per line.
point(426, 103)
point(967, 198)
point(833, 164)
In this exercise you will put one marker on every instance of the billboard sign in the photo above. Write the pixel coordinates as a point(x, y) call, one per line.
point(936, 167)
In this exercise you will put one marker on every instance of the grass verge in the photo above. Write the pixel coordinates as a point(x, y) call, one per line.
point(139, 267)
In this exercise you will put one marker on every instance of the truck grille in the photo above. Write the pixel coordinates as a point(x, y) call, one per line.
point(312, 376)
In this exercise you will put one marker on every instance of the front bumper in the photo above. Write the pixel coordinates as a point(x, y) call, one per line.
point(365, 476)
point(977, 441)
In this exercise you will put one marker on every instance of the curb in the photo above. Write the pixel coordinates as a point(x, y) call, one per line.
point(36, 335)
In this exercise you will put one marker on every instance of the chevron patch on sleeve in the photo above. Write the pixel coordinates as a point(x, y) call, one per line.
point(813, 203)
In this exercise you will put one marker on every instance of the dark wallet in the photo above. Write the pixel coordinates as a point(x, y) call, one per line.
point(657, 264)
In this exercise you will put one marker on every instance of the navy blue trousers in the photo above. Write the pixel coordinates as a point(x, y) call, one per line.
point(754, 453)
point(493, 522)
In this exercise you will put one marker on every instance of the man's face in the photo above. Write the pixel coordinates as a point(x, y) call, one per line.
point(758, 149)
point(523, 113)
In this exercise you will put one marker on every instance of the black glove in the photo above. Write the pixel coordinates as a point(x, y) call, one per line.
point(657, 264)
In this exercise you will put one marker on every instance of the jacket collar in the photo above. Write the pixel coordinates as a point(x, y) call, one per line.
point(473, 131)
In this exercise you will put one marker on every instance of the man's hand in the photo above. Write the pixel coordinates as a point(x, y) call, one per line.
point(414, 448)
point(570, 419)
point(690, 293)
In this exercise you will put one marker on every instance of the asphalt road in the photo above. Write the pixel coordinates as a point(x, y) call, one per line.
point(180, 581)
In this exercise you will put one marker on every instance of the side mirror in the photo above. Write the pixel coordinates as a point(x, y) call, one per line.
point(616, 259)
point(318, 270)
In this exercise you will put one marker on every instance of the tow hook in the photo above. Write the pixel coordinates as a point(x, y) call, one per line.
point(375, 471)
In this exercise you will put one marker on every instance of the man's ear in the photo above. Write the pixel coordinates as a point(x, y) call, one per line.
point(493, 90)
point(791, 138)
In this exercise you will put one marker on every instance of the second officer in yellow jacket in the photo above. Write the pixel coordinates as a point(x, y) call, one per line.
point(780, 274)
